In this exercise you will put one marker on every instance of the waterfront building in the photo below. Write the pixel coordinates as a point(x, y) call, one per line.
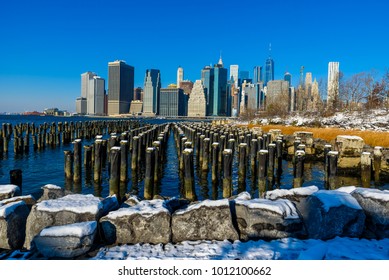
point(120, 87)
point(332, 84)
point(173, 102)
point(85, 77)
point(197, 102)
point(81, 106)
point(136, 107)
point(180, 76)
point(96, 95)
point(152, 90)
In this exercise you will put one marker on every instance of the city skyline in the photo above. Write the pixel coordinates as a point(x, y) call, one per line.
point(47, 48)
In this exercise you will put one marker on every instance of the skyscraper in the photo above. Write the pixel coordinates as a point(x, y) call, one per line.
point(333, 84)
point(288, 78)
point(207, 78)
point(180, 76)
point(234, 74)
point(173, 102)
point(85, 77)
point(152, 90)
point(257, 74)
point(120, 87)
point(220, 89)
point(269, 70)
point(96, 94)
point(197, 102)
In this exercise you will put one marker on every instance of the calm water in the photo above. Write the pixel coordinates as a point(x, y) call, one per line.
point(47, 167)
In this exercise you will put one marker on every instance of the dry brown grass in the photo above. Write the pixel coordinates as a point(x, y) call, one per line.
point(372, 138)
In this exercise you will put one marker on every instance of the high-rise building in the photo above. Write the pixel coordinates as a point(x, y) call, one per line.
point(152, 90)
point(173, 102)
point(187, 86)
point(81, 106)
point(207, 78)
point(197, 103)
point(277, 96)
point(120, 87)
point(244, 75)
point(138, 94)
point(333, 84)
point(288, 78)
point(220, 90)
point(257, 74)
point(95, 98)
point(234, 74)
point(85, 77)
point(180, 76)
point(269, 70)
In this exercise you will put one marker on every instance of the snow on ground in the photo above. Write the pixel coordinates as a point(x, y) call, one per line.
point(282, 249)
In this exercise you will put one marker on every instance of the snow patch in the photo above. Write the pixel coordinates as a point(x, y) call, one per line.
point(243, 196)
point(145, 208)
point(348, 189)
point(51, 186)
point(16, 198)
point(7, 209)
point(8, 188)
point(332, 199)
point(205, 203)
point(76, 203)
point(304, 191)
point(373, 193)
point(77, 230)
point(283, 207)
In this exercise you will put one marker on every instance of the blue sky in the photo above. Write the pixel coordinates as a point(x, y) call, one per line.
point(46, 45)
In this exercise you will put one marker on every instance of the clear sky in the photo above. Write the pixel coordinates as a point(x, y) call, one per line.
point(46, 45)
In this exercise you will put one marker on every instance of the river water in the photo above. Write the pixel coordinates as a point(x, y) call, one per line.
point(47, 167)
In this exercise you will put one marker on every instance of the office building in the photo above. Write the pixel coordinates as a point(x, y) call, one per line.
point(207, 79)
point(152, 89)
point(96, 95)
point(234, 74)
point(257, 74)
point(120, 87)
point(180, 76)
point(288, 78)
point(277, 96)
point(187, 86)
point(197, 102)
point(138, 93)
point(173, 102)
point(85, 77)
point(269, 70)
point(220, 90)
point(333, 84)
point(81, 106)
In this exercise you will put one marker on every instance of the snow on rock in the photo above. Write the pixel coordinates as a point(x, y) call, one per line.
point(148, 221)
point(13, 218)
point(348, 189)
point(66, 241)
point(110, 203)
point(209, 220)
point(263, 218)
point(375, 204)
point(8, 191)
point(292, 194)
point(243, 196)
point(51, 191)
point(28, 199)
point(69, 209)
point(327, 214)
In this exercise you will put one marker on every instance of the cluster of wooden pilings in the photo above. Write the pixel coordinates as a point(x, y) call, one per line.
point(142, 147)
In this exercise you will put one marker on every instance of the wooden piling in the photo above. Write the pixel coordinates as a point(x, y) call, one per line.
point(332, 169)
point(253, 156)
point(134, 154)
point(271, 158)
point(298, 169)
point(87, 157)
point(68, 165)
point(227, 173)
point(215, 162)
point(16, 178)
point(189, 187)
point(77, 160)
point(98, 163)
point(123, 161)
point(204, 166)
point(157, 167)
point(262, 170)
point(149, 173)
point(365, 169)
point(114, 179)
point(242, 152)
point(377, 158)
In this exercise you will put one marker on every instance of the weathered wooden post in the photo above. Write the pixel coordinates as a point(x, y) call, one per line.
point(271, 158)
point(377, 158)
point(365, 169)
point(227, 173)
point(279, 150)
point(215, 162)
point(134, 154)
point(98, 161)
point(332, 168)
point(298, 169)
point(16, 178)
point(87, 157)
point(189, 187)
point(114, 179)
point(149, 173)
point(124, 161)
point(242, 152)
point(222, 143)
point(5, 144)
point(253, 156)
point(265, 141)
point(202, 137)
point(327, 149)
point(77, 160)
point(204, 166)
point(157, 167)
point(197, 147)
point(182, 147)
point(262, 168)
point(68, 165)
point(26, 141)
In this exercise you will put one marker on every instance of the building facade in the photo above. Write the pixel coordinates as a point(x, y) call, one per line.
point(173, 102)
point(257, 74)
point(152, 90)
point(220, 90)
point(81, 106)
point(197, 102)
point(180, 76)
point(207, 79)
point(332, 84)
point(234, 74)
point(288, 78)
point(120, 87)
point(96, 94)
point(277, 96)
point(269, 70)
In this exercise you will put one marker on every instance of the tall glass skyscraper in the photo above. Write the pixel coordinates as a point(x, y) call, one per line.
point(269, 70)
point(120, 87)
point(220, 90)
point(151, 94)
point(207, 78)
point(257, 74)
point(288, 78)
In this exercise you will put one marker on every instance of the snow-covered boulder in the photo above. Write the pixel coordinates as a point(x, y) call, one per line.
point(327, 214)
point(8, 191)
point(66, 241)
point(263, 218)
point(147, 222)
point(13, 218)
point(206, 220)
point(28, 199)
point(350, 149)
point(73, 208)
point(51, 192)
point(375, 204)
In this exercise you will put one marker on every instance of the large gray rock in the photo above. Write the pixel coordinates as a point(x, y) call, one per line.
point(328, 214)
point(28, 199)
point(375, 204)
point(13, 218)
point(69, 209)
point(263, 218)
point(8, 191)
point(206, 220)
point(297, 195)
point(147, 222)
point(67, 241)
point(51, 192)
